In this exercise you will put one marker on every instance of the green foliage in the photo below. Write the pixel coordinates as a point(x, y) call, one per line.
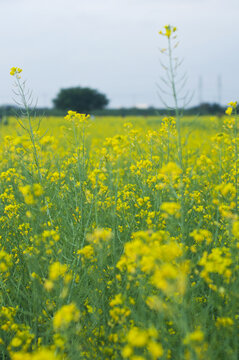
point(79, 99)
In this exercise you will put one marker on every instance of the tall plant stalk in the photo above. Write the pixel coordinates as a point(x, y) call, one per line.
point(25, 103)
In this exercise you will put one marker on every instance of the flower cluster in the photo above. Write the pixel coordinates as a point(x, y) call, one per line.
point(76, 118)
point(15, 71)
point(168, 30)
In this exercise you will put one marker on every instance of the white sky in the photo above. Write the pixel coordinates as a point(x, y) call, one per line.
point(113, 46)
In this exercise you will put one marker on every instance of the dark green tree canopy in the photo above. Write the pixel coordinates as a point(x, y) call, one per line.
point(82, 100)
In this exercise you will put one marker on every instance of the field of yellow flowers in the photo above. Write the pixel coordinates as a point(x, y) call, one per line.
point(117, 242)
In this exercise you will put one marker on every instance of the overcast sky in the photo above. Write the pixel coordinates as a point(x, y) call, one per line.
point(113, 46)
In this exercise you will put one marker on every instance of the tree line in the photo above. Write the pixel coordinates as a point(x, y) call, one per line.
point(91, 101)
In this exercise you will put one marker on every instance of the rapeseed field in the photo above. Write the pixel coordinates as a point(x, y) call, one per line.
point(110, 249)
point(119, 238)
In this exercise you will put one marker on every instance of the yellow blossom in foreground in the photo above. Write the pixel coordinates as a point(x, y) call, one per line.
point(16, 342)
point(171, 208)
point(218, 261)
point(65, 316)
point(228, 111)
point(30, 192)
point(117, 300)
point(144, 339)
point(37, 190)
point(233, 104)
point(154, 303)
point(99, 236)
point(224, 322)
point(127, 351)
point(5, 261)
point(200, 235)
point(155, 349)
point(39, 354)
point(171, 169)
point(226, 189)
point(87, 251)
point(137, 337)
point(235, 229)
point(48, 285)
point(57, 270)
point(195, 337)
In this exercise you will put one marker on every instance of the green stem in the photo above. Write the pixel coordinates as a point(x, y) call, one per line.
point(178, 125)
point(236, 156)
point(31, 133)
point(176, 108)
point(32, 138)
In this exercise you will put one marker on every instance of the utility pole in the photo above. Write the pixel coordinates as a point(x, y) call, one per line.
point(200, 90)
point(219, 89)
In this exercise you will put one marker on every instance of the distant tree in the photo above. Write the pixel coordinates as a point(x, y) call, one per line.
point(82, 100)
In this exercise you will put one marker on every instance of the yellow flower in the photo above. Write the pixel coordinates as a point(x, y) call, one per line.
point(218, 261)
point(39, 354)
point(233, 104)
point(29, 191)
point(127, 351)
point(57, 270)
point(87, 251)
point(168, 31)
point(117, 300)
point(137, 337)
point(48, 285)
point(15, 71)
point(16, 342)
point(37, 189)
point(155, 349)
point(5, 261)
point(200, 235)
point(99, 236)
point(224, 322)
point(171, 169)
point(228, 111)
point(77, 118)
point(195, 337)
point(235, 229)
point(171, 208)
point(65, 315)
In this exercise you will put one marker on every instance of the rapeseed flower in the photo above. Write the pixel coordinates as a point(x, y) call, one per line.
point(168, 30)
point(15, 71)
point(229, 110)
point(66, 315)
